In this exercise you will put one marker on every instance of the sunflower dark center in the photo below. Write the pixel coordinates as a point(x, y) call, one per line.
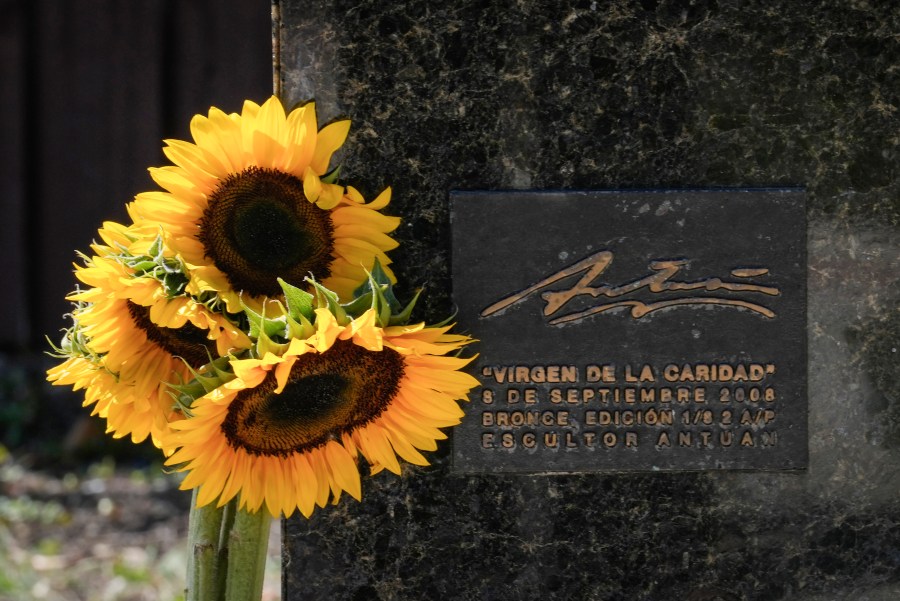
point(188, 342)
point(259, 226)
point(326, 395)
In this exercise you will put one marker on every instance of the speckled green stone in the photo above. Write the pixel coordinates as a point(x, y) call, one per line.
point(559, 94)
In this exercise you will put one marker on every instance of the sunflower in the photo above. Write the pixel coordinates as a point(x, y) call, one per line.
point(100, 390)
point(251, 200)
point(133, 340)
point(287, 431)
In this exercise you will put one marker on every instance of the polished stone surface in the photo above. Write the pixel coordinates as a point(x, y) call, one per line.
point(609, 95)
point(658, 272)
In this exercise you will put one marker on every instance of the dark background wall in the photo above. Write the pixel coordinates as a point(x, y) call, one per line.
point(635, 94)
point(88, 91)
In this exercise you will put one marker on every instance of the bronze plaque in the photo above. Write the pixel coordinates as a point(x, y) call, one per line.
point(622, 331)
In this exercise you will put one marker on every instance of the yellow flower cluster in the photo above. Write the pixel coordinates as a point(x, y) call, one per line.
point(244, 321)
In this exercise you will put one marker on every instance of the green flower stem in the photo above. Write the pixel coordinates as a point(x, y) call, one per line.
point(247, 546)
point(204, 526)
point(224, 535)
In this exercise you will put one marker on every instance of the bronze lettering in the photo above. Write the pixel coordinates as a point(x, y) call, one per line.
point(715, 373)
point(527, 425)
point(537, 374)
point(519, 418)
point(663, 440)
point(660, 282)
point(600, 373)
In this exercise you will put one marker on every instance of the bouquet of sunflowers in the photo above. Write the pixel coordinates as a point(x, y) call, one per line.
point(245, 322)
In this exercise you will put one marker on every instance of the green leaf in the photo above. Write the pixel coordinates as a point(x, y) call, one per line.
point(267, 345)
point(332, 176)
point(325, 298)
point(156, 250)
point(143, 266)
point(204, 380)
point(381, 306)
point(402, 318)
point(359, 304)
point(445, 321)
point(299, 302)
point(174, 283)
point(300, 329)
point(260, 324)
point(379, 276)
point(255, 319)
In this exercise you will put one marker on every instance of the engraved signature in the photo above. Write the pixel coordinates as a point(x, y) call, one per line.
point(656, 283)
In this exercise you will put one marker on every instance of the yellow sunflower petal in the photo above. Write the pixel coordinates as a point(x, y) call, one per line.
point(327, 330)
point(270, 135)
point(343, 469)
point(330, 138)
point(403, 448)
point(312, 186)
point(375, 445)
point(330, 197)
point(322, 479)
point(304, 485)
point(195, 161)
point(301, 139)
point(381, 201)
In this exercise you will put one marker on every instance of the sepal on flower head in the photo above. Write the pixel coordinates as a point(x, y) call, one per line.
point(168, 270)
point(268, 331)
point(378, 280)
point(73, 342)
point(374, 305)
point(299, 302)
point(332, 176)
point(203, 381)
point(326, 299)
point(377, 293)
point(140, 254)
